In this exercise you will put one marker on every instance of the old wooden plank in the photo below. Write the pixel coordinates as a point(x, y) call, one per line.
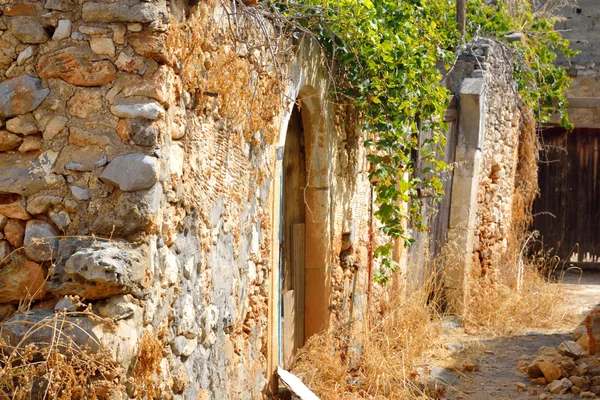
point(298, 262)
point(295, 385)
point(288, 323)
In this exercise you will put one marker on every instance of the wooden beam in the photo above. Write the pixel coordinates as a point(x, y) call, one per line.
point(461, 16)
point(583, 102)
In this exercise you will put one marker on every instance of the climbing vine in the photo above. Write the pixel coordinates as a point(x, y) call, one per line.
point(388, 55)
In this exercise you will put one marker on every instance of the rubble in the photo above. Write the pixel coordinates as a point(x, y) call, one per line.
point(569, 368)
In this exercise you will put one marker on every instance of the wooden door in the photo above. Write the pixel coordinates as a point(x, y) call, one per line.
point(293, 240)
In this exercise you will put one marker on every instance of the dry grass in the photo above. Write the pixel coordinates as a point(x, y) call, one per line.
point(499, 309)
point(515, 296)
point(46, 363)
point(402, 332)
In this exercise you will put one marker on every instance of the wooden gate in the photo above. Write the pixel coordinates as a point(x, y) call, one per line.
point(567, 213)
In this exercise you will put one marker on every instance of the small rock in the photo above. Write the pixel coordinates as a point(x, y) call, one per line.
point(21, 95)
point(41, 241)
point(21, 279)
point(551, 372)
point(539, 381)
point(31, 143)
point(5, 251)
point(63, 30)
point(103, 46)
point(587, 395)
point(183, 346)
point(547, 351)
point(27, 29)
point(131, 172)
point(13, 206)
point(543, 396)
point(9, 141)
point(14, 232)
point(134, 27)
point(80, 193)
point(571, 349)
point(59, 5)
point(143, 132)
point(55, 126)
point(584, 341)
point(93, 30)
point(85, 103)
point(24, 55)
point(61, 219)
point(559, 386)
point(147, 110)
point(66, 304)
point(580, 330)
point(42, 203)
point(521, 387)
point(21, 9)
point(119, 32)
point(25, 125)
point(77, 36)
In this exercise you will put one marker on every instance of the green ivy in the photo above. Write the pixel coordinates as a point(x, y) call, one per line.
point(388, 54)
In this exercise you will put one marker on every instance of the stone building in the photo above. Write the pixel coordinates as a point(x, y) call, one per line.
point(197, 191)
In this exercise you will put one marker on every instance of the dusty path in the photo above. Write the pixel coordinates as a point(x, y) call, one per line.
point(498, 358)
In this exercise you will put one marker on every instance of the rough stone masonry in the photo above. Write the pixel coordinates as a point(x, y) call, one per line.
point(114, 188)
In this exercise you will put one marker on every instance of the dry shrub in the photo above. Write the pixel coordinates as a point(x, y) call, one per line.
point(145, 378)
point(403, 330)
point(221, 69)
point(500, 309)
point(61, 369)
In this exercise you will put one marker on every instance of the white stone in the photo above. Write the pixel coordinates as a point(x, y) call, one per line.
point(131, 172)
point(176, 160)
point(24, 55)
point(63, 30)
point(103, 46)
point(77, 36)
point(147, 110)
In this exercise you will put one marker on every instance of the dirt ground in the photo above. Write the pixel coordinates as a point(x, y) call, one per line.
point(497, 359)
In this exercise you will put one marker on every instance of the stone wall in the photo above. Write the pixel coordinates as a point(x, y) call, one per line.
point(127, 185)
point(483, 186)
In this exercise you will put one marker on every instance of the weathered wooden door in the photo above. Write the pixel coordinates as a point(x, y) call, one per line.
point(567, 212)
point(293, 240)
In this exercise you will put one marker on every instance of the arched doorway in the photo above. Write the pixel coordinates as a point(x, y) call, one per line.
point(293, 239)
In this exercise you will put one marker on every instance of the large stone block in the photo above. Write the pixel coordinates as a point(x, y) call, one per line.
point(130, 172)
point(28, 173)
point(27, 29)
point(77, 66)
point(41, 241)
point(40, 328)
point(21, 95)
point(98, 269)
point(116, 12)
